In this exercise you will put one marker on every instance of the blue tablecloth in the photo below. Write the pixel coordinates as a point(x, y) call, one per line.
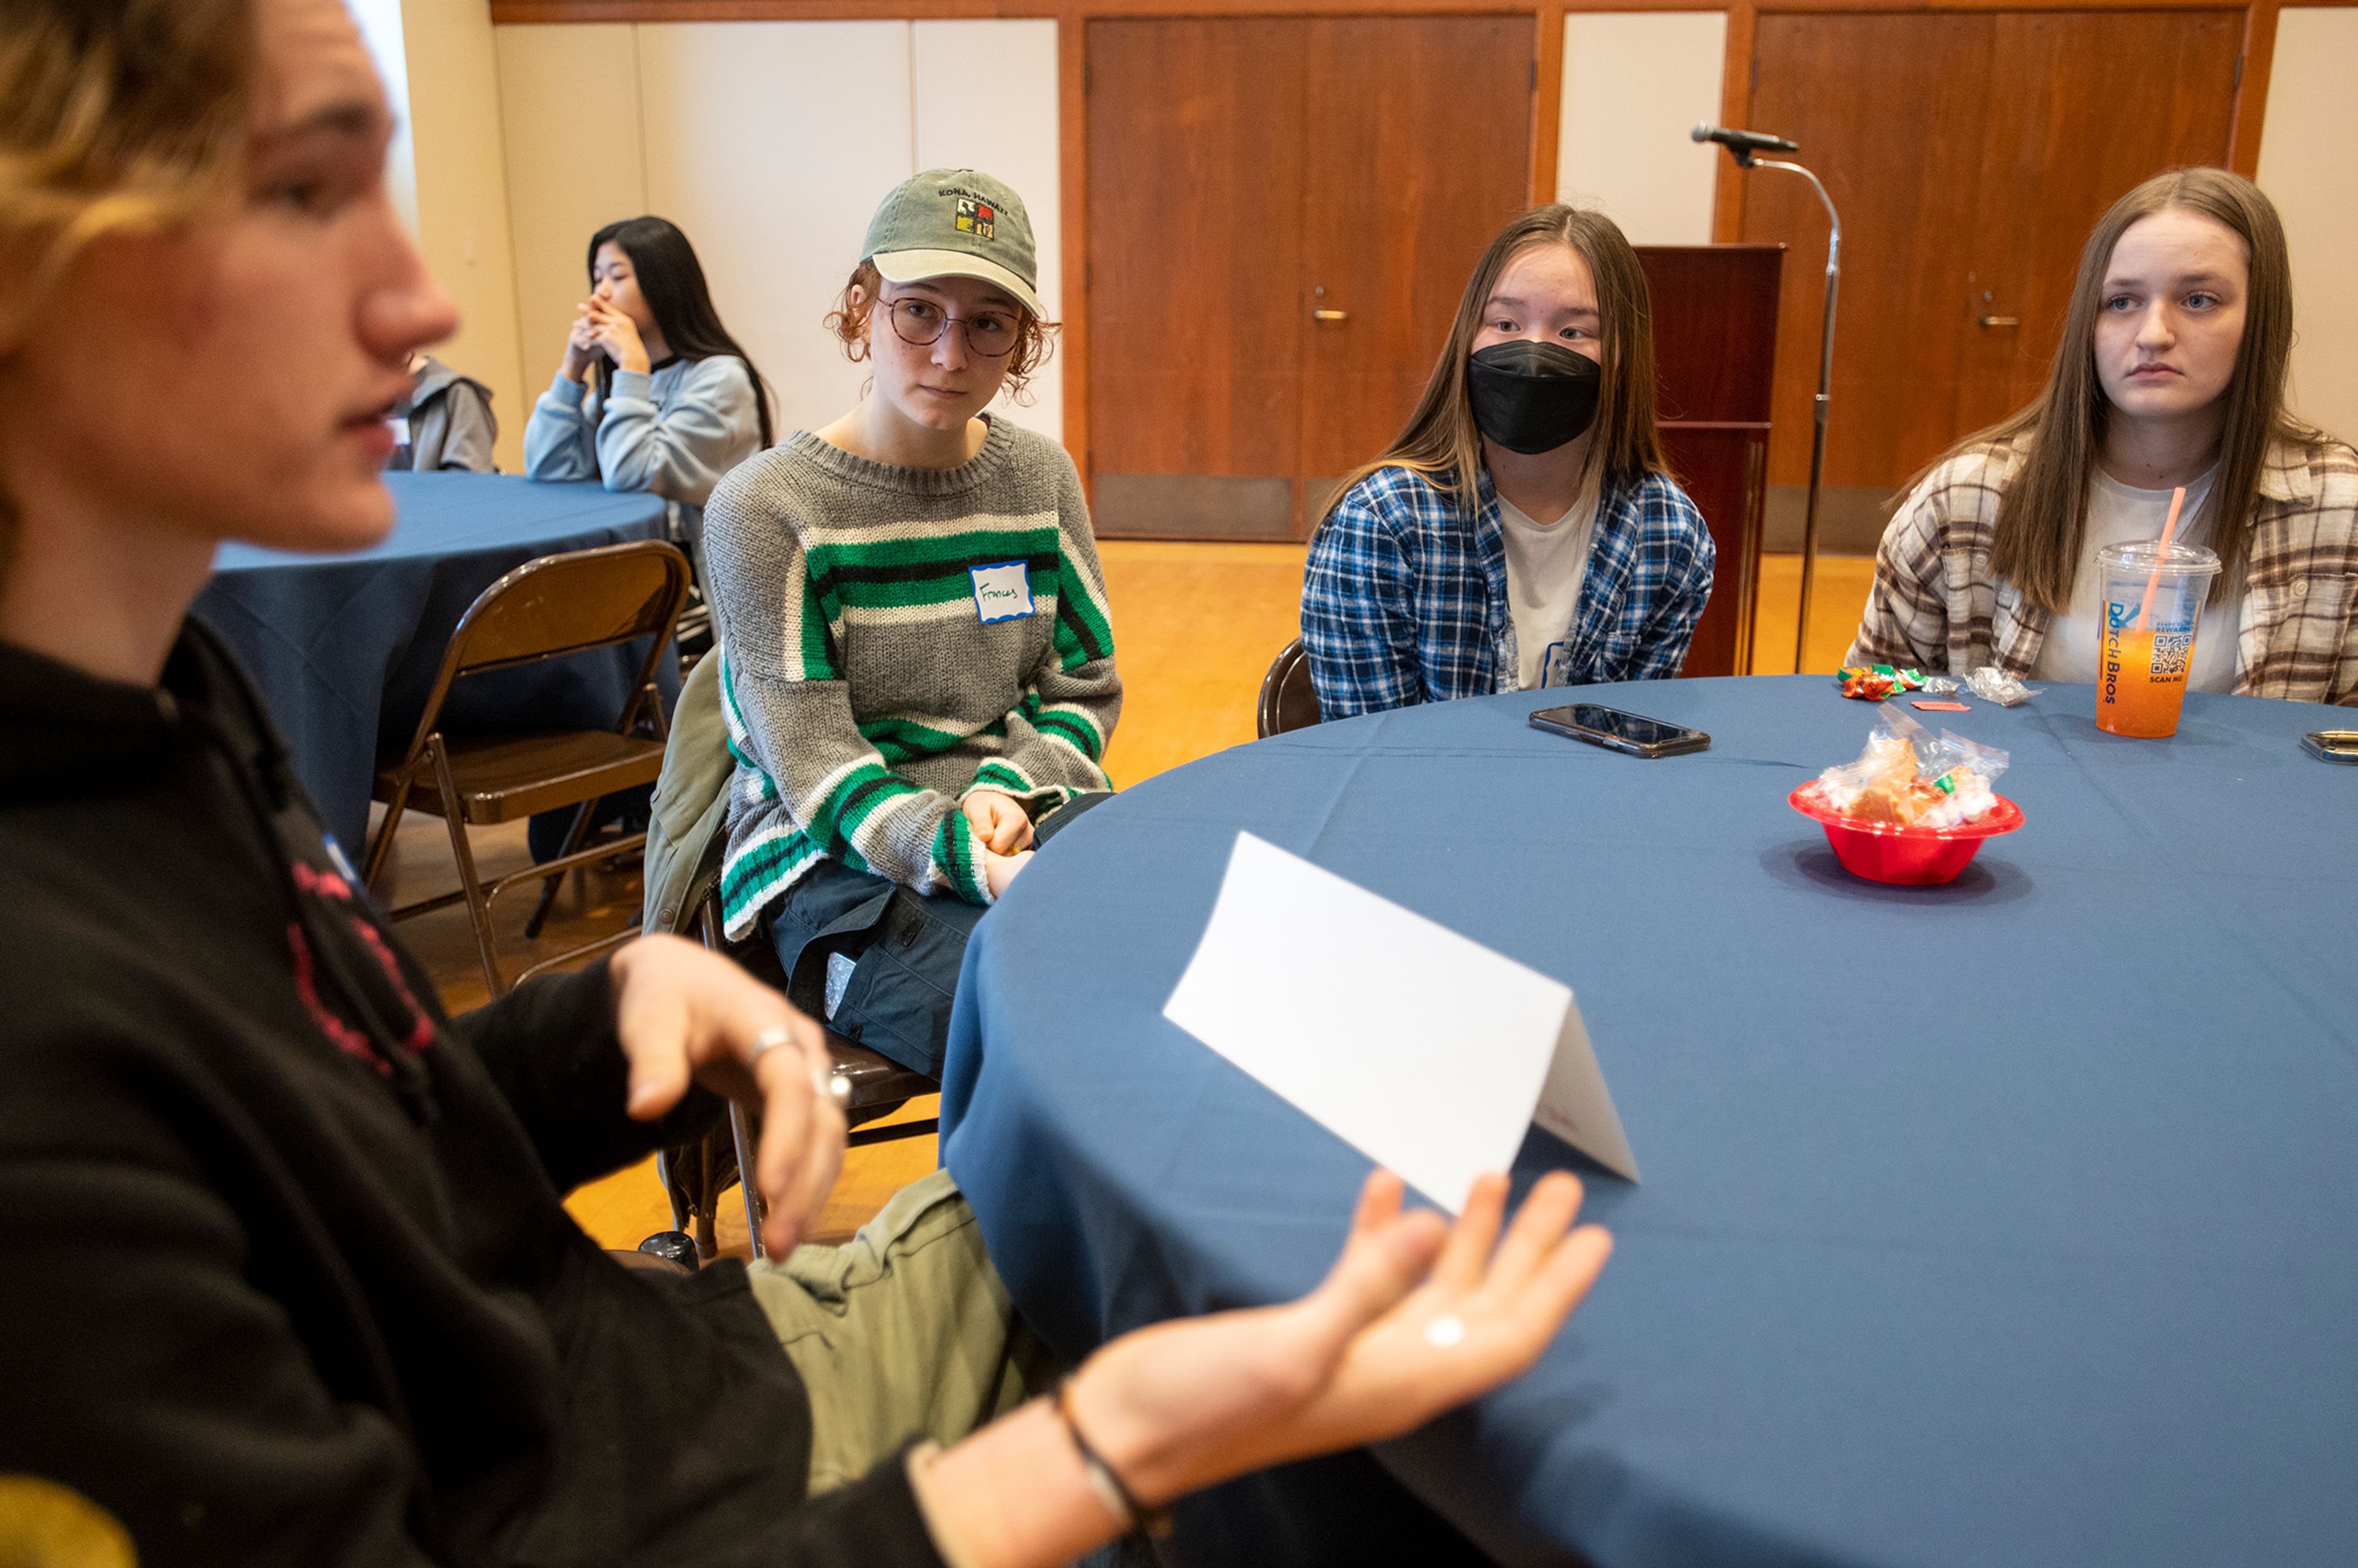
point(344, 648)
point(2009, 1222)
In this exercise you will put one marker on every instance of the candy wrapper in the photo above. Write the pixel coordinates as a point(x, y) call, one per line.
point(1908, 778)
point(1872, 683)
point(1992, 683)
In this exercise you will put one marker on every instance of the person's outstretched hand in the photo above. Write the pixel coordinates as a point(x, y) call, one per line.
point(1414, 1319)
point(683, 1013)
point(1002, 824)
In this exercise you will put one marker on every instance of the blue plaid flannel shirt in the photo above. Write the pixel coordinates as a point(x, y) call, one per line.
point(1405, 597)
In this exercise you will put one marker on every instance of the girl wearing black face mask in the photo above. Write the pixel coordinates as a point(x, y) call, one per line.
point(1523, 531)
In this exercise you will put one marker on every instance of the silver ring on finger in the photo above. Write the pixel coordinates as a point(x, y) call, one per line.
point(775, 1036)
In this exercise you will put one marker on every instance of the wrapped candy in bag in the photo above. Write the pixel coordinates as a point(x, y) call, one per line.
point(1908, 778)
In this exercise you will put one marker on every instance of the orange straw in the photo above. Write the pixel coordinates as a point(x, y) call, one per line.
point(2161, 552)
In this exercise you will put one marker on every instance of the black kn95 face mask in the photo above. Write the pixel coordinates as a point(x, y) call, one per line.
point(1532, 397)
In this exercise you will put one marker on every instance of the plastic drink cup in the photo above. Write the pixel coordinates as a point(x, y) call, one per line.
point(2153, 604)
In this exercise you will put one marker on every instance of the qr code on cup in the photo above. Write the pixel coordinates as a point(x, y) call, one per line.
point(2171, 650)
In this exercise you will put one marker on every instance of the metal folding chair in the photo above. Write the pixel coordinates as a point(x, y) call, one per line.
point(547, 609)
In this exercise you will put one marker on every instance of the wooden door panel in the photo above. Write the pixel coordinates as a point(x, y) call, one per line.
point(1888, 112)
point(1970, 154)
point(2083, 107)
point(1195, 224)
point(1419, 147)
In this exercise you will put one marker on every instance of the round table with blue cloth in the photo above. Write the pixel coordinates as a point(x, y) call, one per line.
point(2013, 1221)
point(344, 648)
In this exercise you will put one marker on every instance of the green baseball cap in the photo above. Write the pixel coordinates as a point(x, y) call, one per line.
point(957, 223)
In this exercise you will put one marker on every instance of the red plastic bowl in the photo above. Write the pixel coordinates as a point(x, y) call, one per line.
point(1912, 857)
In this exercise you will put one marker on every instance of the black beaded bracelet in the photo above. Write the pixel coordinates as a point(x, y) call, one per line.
point(1137, 1518)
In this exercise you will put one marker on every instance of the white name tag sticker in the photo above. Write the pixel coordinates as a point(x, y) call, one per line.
point(1002, 592)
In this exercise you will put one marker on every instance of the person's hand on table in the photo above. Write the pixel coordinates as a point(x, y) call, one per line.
point(683, 1013)
point(999, 871)
point(617, 334)
point(1003, 826)
point(1415, 1318)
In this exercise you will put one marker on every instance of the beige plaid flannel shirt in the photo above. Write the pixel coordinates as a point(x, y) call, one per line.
point(1934, 605)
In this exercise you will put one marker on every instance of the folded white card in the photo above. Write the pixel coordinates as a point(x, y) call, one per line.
point(1427, 1052)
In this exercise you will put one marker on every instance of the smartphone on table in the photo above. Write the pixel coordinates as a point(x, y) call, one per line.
point(1619, 731)
point(2331, 745)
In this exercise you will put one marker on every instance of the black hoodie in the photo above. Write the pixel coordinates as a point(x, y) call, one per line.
point(285, 1277)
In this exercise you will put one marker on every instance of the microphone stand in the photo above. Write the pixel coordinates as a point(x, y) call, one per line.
point(1744, 159)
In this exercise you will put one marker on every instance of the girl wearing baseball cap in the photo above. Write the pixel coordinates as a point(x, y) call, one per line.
point(918, 674)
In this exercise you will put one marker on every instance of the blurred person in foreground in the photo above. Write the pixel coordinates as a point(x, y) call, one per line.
point(290, 1278)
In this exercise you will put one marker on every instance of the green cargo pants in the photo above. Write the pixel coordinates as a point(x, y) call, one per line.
point(905, 1331)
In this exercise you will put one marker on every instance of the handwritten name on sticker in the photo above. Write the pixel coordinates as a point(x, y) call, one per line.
point(1002, 592)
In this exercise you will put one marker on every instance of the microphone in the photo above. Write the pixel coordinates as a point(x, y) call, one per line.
point(1744, 143)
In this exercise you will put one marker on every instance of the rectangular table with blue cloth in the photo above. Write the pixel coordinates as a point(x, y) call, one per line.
point(2013, 1221)
point(344, 648)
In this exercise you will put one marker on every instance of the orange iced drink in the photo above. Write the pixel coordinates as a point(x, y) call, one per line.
point(2133, 697)
point(2152, 605)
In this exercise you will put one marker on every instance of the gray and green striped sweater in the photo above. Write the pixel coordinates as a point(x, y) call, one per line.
point(865, 691)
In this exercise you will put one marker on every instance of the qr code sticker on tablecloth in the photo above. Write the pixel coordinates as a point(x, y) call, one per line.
point(2171, 650)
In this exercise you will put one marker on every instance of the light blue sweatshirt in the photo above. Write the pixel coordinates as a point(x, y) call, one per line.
point(674, 431)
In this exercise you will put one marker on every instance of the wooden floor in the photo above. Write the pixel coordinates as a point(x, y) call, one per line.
point(1196, 626)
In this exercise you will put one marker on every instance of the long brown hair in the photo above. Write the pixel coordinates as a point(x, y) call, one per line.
point(2042, 517)
point(115, 115)
point(1441, 441)
point(671, 280)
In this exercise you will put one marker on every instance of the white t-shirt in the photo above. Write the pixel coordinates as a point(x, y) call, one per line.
point(2118, 515)
point(1546, 564)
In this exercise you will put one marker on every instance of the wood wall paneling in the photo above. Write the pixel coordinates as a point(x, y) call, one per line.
point(1194, 235)
point(2082, 108)
point(1898, 144)
point(2252, 85)
point(538, 12)
point(1419, 133)
point(1547, 93)
point(1969, 151)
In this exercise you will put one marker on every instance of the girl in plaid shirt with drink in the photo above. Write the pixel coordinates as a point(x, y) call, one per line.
point(2171, 372)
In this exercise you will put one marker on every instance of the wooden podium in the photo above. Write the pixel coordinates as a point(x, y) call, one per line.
point(1714, 359)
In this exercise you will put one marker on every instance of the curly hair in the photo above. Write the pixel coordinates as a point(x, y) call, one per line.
point(1035, 340)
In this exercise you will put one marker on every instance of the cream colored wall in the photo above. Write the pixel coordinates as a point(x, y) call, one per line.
point(461, 199)
point(1634, 82)
point(2308, 167)
point(380, 22)
point(568, 101)
point(770, 143)
point(1009, 130)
